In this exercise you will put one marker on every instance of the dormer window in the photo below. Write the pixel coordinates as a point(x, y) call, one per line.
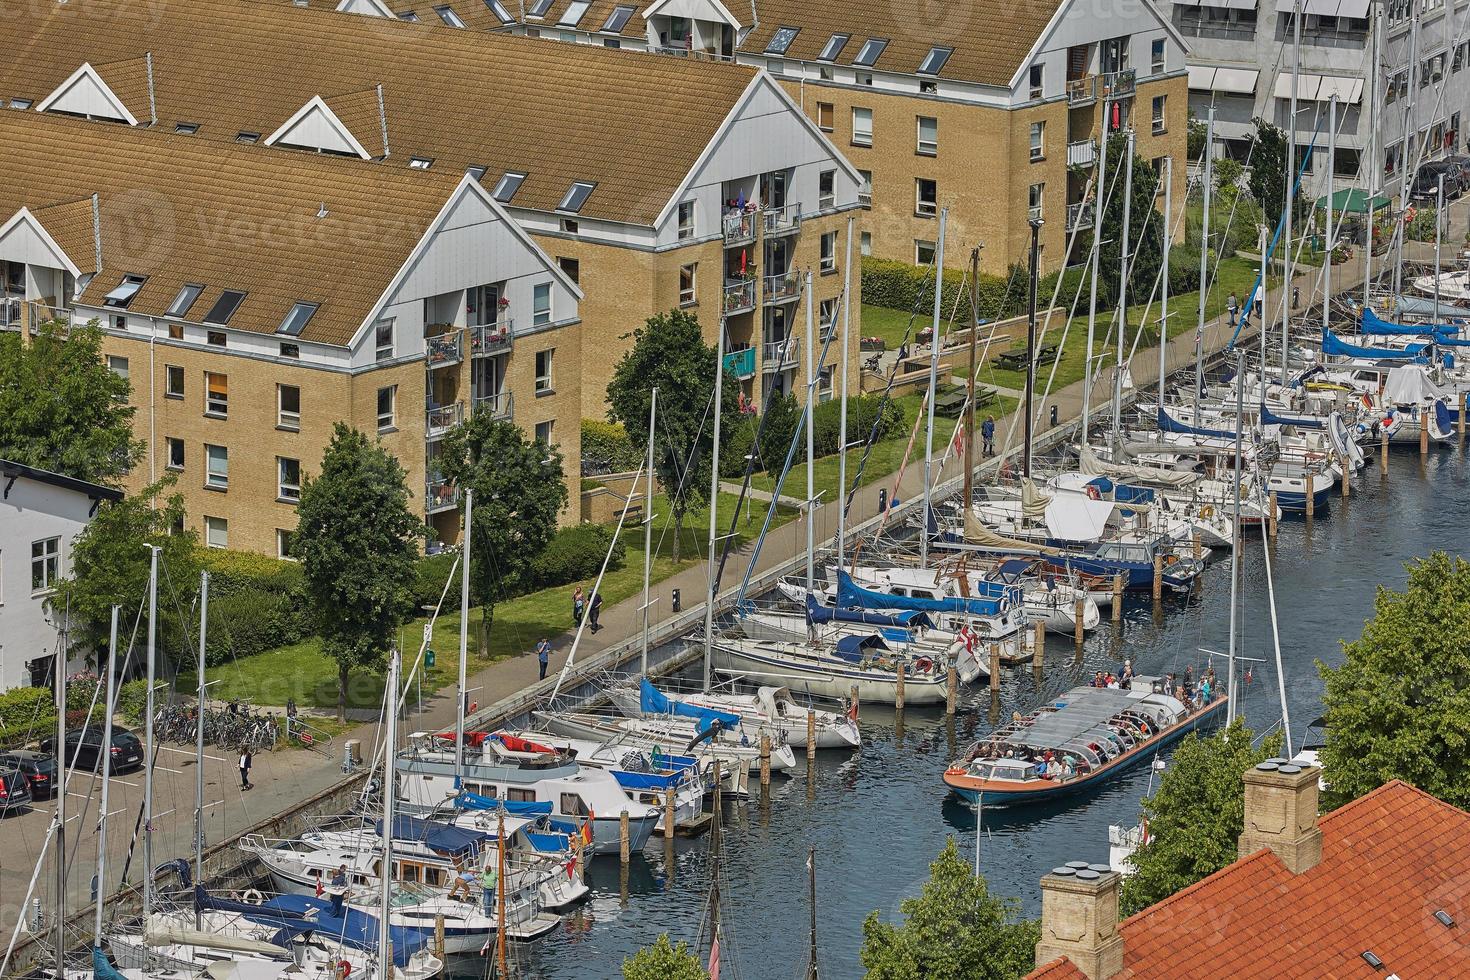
point(123, 293)
point(224, 307)
point(618, 19)
point(870, 52)
point(244, 136)
point(507, 185)
point(833, 47)
point(498, 9)
point(576, 196)
point(448, 16)
point(20, 103)
point(475, 172)
point(180, 306)
point(781, 40)
point(574, 13)
point(297, 319)
point(934, 61)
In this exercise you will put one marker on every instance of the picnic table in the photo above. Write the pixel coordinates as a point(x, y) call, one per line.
point(1015, 360)
point(950, 402)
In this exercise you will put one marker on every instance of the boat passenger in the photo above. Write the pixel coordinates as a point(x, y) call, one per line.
point(1205, 691)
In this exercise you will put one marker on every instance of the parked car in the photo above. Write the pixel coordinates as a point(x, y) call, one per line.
point(126, 752)
point(38, 768)
point(1426, 181)
point(15, 792)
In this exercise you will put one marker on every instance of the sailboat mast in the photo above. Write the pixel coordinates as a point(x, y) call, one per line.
point(1327, 257)
point(1123, 269)
point(714, 496)
point(1406, 163)
point(1168, 242)
point(969, 497)
point(60, 665)
point(385, 872)
point(1373, 154)
point(934, 345)
point(1438, 237)
point(1291, 172)
point(811, 887)
point(464, 637)
point(811, 406)
point(501, 967)
point(1204, 270)
point(648, 527)
point(106, 781)
point(153, 551)
point(1237, 539)
point(842, 410)
point(199, 744)
point(1098, 201)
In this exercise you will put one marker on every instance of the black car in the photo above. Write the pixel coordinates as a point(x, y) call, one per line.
point(1426, 181)
point(38, 768)
point(126, 752)
point(15, 792)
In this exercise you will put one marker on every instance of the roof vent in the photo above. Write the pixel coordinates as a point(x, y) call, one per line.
point(1372, 960)
point(1444, 918)
point(321, 212)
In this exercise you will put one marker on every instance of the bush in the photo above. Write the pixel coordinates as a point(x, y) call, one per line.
point(576, 553)
point(1421, 229)
point(256, 603)
point(132, 700)
point(900, 286)
point(606, 448)
point(429, 576)
point(737, 447)
point(26, 714)
point(779, 426)
point(861, 411)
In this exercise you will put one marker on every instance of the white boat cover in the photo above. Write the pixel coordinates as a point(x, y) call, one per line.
point(1077, 518)
point(247, 970)
point(1092, 466)
point(165, 932)
point(1410, 386)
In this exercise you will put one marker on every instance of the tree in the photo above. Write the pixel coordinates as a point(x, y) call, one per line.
point(782, 415)
point(669, 353)
point(1398, 706)
point(109, 566)
point(62, 409)
point(955, 929)
point(519, 491)
point(1196, 817)
point(1268, 168)
point(664, 961)
point(1196, 136)
point(355, 538)
point(1145, 226)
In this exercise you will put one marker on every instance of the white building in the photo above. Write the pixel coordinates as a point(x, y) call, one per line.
point(41, 513)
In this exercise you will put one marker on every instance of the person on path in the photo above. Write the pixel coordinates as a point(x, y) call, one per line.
point(1233, 305)
point(543, 655)
point(579, 603)
point(987, 436)
point(1296, 296)
point(596, 611)
point(245, 770)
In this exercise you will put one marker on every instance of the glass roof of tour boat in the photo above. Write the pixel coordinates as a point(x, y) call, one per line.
point(1082, 710)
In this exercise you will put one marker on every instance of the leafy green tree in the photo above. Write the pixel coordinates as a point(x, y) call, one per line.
point(664, 961)
point(1145, 226)
point(782, 414)
point(1398, 706)
point(356, 541)
point(1268, 168)
point(954, 930)
point(669, 353)
point(62, 409)
point(1196, 817)
point(110, 567)
point(1196, 136)
point(519, 491)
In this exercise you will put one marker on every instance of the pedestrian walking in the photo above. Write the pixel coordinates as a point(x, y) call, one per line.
point(1233, 305)
point(543, 654)
point(595, 611)
point(245, 770)
point(1296, 296)
point(579, 603)
point(987, 435)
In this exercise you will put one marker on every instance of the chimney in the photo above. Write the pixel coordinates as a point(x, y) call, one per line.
point(1281, 813)
point(1079, 919)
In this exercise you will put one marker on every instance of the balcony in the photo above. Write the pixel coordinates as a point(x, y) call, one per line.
point(739, 296)
point(10, 311)
point(739, 228)
point(1119, 84)
point(439, 495)
point(782, 288)
point(741, 363)
point(1082, 153)
point(782, 221)
point(444, 349)
point(771, 354)
point(500, 405)
point(1082, 91)
point(492, 338)
point(1079, 215)
point(439, 420)
point(865, 196)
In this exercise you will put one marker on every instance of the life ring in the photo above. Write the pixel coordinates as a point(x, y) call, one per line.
point(1093, 493)
point(343, 969)
point(923, 665)
point(253, 896)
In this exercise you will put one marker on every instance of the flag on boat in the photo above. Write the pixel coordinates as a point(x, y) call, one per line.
point(587, 829)
point(714, 958)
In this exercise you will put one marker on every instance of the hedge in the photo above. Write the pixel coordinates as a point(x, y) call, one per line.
point(256, 603)
point(900, 286)
point(606, 448)
point(861, 411)
point(28, 714)
point(576, 553)
point(429, 575)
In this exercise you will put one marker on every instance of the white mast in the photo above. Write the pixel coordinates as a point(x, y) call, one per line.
point(1374, 173)
point(1291, 170)
point(199, 745)
point(1164, 295)
point(842, 411)
point(811, 407)
point(60, 665)
point(1123, 269)
point(153, 551)
point(714, 496)
point(1327, 256)
point(1438, 236)
point(464, 637)
point(385, 872)
point(1204, 266)
point(1237, 539)
point(1098, 201)
point(934, 344)
point(648, 528)
point(106, 778)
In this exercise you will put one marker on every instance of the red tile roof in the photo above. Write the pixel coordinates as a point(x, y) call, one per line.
point(1390, 860)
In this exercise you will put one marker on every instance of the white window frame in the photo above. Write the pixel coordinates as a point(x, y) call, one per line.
point(1038, 141)
point(169, 444)
point(216, 477)
point(922, 208)
point(689, 284)
point(865, 243)
point(383, 351)
point(544, 378)
point(222, 525)
point(686, 220)
point(826, 189)
point(921, 246)
point(288, 490)
point(828, 259)
point(1160, 110)
point(922, 146)
point(286, 418)
point(862, 136)
point(1036, 81)
point(550, 426)
point(216, 408)
point(541, 304)
point(170, 373)
point(46, 562)
point(386, 419)
point(283, 537)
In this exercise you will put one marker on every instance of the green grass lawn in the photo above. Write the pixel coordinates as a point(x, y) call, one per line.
point(879, 321)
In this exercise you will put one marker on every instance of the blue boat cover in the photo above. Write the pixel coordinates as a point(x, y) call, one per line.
point(647, 780)
point(656, 702)
point(994, 595)
point(854, 648)
point(909, 619)
point(101, 969)
point(1125, 494)
point(1443, 417)
point(516, 808)
point(1333, 344)
point(1372, 323)
point(547, 843)
point(440, 837)
point(353, 928)
point(1169, 424)
point(1270, 418)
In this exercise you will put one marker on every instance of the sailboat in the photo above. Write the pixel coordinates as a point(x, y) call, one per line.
point(770, 709)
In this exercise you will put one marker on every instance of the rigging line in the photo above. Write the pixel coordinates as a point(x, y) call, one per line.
point(1071, 312)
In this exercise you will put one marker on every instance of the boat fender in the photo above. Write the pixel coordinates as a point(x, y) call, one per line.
point(924, 665)
point(253, 896)
point(1207, 511)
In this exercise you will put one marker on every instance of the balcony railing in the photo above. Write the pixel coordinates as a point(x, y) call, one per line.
point(441, 419)
point(865, 196)
point(739, 228)
point(493, 338)
point(741, 363)
point(11, 317)
point(444, 349)
point(779, 355)
point(1119, 84)
point(783, 220)
point(1079, 215)
point(500, 405)
point(783, 288)
point(739, 296)
point(440, 495)
point(1082, 91)
point(1082, 153)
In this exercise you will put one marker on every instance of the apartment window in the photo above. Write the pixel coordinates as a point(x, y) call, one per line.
point(541, 304)
point(871, 51)
point(829, 252)
point(118, 366)
point(1159, 103)
point(217, 467)
point(122, 294)
point(383, 340)
point(216, 532)
point(826, 192)
point(824, 116)
point(928, 143)
point(934, 61)
point(862, 127)
point(507, 185)
point(174, 450)
point(544, 431)
point(387, 405)
point(865, 187)
point(1036, 76)
point(409, 16)
point(215, 338)
point(288, 407)
point(216, 394)
point(572, 267)
point(285, 544)
point(833, 47)
point(923, 253)
point(1035, 199)
point(865, 78)
point(244, 136)
point(297, 318)
point(618, 19)
point(224, 307)
point(781, 40)
point(687, 294)
point(927, 86)
point(926, 197)
point(175, 331)
point(865, 243)
point(686, 219)
point(1038, 141)
point(173, 381)
point(576, 196)
point(543, 370)
point(45, 564)
point(569, 226)
point(447, 15)
point(288, 479)
point(826, 313)
point(1157, 56)
point(291, 350)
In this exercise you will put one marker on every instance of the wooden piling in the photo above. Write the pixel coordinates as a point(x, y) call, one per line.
point(854, 701)
point(1383, 450)
point(1079, 612)
point(1198, 545)
point(439, 935)
point(811, 737)
point(1460, 421)
point(995, 666)
point(1271, 516)
point(952, 680)
point(1347, 477)
point(1158, 578)
point(898, 692)
point(1118, 598)
point(1038, 646)
point(1424, 432)
point(765, 759)
point(1311, 499)
point(623, 848)
point(669, 806)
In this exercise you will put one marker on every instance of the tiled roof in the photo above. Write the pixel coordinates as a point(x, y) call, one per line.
point(1390, 860)
point(179, 209)
point(592, 20)
point(989, 41)
point(632, 123)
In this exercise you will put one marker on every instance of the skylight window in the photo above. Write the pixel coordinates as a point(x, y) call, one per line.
point(475, 172)
point(871, 50)
point(224, 307)
point(576, 196)
point(124, 292)
point(20, 103)
point(781, 40)
point(186, 128)
point(506, 187)
point(408, 15)
point(297, 319)
point(185, 299)
point(448, 16)
point(934, 61)
point(498, 9)
point(539, 8)
point(246, 137)
point(575, 11)
point(833, 47)
point(618, 19)
point(421, 163)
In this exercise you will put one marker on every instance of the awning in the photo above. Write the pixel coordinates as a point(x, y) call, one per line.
point(1207, 78)
point(1321, 88)
point(1325, 8)
point(1354, 201)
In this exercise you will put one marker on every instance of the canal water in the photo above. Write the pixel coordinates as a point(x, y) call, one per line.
point(879, 816)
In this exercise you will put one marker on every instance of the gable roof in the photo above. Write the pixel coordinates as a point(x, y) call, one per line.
point(1390, 860)
point(11, 470)
point(630, 123)
point(178, 209)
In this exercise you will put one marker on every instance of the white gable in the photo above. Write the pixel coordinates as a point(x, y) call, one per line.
point(23, 239)
point(316, 127)
point(706, 10)
point(86, 94)
point(368, 8)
